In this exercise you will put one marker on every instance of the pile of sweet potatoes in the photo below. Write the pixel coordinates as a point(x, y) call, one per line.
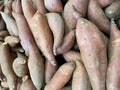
point(59, 44)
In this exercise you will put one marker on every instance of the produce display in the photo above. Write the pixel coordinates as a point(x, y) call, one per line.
point(59, 44)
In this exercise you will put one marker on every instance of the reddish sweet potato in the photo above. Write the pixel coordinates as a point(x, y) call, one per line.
point(43, 36)
point(6, 65)
point(97, 16)
point(61, 77)
point(93, 52)
point(55, 21)
point(53, 5)
point(72, 56)
point(113, 11)
point(18, 7)
point(80, 79)
point(113, 71)
point(73, 10)
point(49, 71)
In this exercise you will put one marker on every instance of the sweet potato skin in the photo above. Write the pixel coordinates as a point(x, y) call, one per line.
point(113, 75)
point(93, 52)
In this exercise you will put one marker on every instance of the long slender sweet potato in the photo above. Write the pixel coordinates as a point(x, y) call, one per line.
point(67, 43)
point(35, 65)
point(18, 7)
point(53, 5)
point(20, 65)
point(73, 10)
point(113, 75)
point(97, 16)
point(49, 71)
point(80, 79)
point(72, 56)
point(6, 65)
point(10, 24)
point(55, 21)
point(43, 35)
point(113, 11)
point(61, 77)
point(93, 52)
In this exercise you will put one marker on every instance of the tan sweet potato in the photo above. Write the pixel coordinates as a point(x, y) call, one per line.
point(20, 65)
point(80, 80)
point(55, 21)
point(12, 40)
point(72, 56)
point(10, 24)
point(43, 35)
point(49, 71)
point(6, 65)
point(73, 10)
point(35, 65)
point(93, 52)
point(113, 70)
point(113, 11)
point(97, 16)
point(68, 42)
point(53, 5)
point(61, 77)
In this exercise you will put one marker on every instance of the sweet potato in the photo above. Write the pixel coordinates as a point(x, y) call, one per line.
point(80, 79)
point(67, 43)
point(93, 52)
point(113, 74)
point(35, 65)
point(104, 3)
point(28, 9)
point(12, 40)
point(118, 23)
point(53, 5)
point(24, 31)
point(28, 85)
point(55, 21)
point(67, 88)
point(43, 35)
point(6, 65)
point(61, 77)
point(49, 71)
point(97, 16)
point(10, 24)
point(20, 65)
point(113, 11)
point(18, 7)
point(72, 56)
point(73, 10)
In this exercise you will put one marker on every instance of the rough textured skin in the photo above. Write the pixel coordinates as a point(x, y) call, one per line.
point(80, 79)
point(73, 10)
point(93, 52)
point(113, 71)
point(43, 36)
point(97, 16)
point(53, 5)
point(61, 77)
point(55, 21)
point(113, 11)
point(6, 65)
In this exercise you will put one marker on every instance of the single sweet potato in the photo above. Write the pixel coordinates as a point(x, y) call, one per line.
point(53, 5)
point(6, 65)
point(80, 80)
point(55, 21)
point(97, 16)
point(61, 77)
point(43, 35)
point(18, 7)
point(113, 11)
point(113, 70)
point(93, 52)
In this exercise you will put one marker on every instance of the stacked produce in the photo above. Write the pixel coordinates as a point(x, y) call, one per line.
point(60, 45)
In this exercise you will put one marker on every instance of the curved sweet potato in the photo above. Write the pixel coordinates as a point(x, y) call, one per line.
point(93, 52)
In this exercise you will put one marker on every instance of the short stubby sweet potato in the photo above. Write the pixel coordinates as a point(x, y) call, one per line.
point(113, 11)
point(113, 71)
point(93, 52)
